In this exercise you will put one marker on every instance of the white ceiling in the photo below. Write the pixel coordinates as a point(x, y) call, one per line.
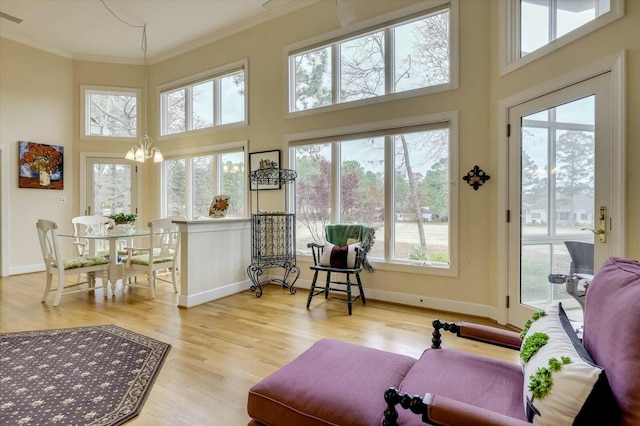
point(86, 30)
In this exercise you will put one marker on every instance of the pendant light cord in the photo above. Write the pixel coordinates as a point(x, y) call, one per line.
point(143, 46)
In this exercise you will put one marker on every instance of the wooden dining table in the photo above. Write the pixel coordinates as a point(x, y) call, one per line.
point(116, 266)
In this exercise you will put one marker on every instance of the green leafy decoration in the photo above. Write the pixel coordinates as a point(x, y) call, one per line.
point(124, 217)
point(541, 381)
point(534, 317)
point(532, 345)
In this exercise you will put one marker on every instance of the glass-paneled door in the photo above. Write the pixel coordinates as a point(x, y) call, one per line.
point(560, 181)
point(111, 186)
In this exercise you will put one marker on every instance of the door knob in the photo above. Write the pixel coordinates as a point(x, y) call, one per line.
point(603, 225)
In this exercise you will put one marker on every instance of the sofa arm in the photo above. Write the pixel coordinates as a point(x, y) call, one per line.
point(439, 410)
point(482, 333)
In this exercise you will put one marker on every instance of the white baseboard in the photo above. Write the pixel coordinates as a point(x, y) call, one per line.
point(454, 306)
point(26, 269)
point(213, 294)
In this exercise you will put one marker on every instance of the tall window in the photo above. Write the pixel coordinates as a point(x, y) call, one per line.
point(109, 112)
point(345, 179)
point(189, 184)
point(399, 57)
point(214, 100)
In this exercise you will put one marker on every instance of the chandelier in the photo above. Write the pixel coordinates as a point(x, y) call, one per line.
point(145, 149)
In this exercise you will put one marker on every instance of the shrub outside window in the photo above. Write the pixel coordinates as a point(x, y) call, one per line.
point(110, 112)
point(412, 164)
point(189, 184)
point(209, 102)
point(413, 54)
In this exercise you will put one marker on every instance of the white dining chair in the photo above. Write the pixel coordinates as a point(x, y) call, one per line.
point(56, 265)
point(162, 254)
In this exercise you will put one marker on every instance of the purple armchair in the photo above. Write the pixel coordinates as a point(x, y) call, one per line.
point(560, 380)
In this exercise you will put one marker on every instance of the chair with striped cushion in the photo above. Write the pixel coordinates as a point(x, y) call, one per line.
point(56, 265)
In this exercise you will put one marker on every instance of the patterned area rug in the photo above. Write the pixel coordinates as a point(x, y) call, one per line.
point(76, 376)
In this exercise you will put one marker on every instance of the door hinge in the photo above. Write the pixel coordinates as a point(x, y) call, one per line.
point(508, 216)
point(508, 130)
point(507, 301)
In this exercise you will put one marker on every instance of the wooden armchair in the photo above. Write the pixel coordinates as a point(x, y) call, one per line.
point(344, 253)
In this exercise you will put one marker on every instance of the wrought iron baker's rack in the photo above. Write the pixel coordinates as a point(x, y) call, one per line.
point(273, 234)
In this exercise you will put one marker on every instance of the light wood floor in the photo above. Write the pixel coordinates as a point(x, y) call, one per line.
point(220, 349)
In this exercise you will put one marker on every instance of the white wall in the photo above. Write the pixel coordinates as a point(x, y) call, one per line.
point(36, 104)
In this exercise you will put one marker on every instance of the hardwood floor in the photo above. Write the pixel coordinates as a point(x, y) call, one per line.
point(221, 348)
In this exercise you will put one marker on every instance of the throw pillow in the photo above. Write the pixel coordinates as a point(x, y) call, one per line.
point(562, 384)
point(339, 257)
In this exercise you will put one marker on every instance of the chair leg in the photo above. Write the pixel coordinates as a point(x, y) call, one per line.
point(360, 288)
point(47, 287)
point(56, 300)
point(173, 277)
point(349, 300)
point(152, 283)
point(312, 289)
point(326, 287)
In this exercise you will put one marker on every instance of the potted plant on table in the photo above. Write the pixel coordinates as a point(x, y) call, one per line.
point(124, 221)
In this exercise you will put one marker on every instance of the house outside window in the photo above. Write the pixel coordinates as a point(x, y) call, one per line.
point(375, 62)
point(212, 99)
point(189, 183)
point(393, 179)
point(109, 112)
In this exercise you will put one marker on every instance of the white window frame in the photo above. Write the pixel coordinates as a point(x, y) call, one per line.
point(394, 18)
point(509, 13)
point(195, 152)
point(85, 116)
point(450, 270)
point(213, 74)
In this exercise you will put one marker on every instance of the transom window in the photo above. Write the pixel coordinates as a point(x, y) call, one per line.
point(532, 28)
point(542, 21)
point(109, 112)
point(395, 179)
point(412, 54)
point(212, 100)
point(190, 182)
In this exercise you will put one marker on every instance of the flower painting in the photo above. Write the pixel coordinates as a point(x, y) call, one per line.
point(40, 166)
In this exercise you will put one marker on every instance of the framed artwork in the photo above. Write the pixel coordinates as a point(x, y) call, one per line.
point(40, 165)
point(263, 159)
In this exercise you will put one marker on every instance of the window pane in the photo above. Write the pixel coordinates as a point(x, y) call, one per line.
point(109, 195)
point(112, 115)
point(202, 185)
point(175, 187)
point(312, 79)
point(202, 109)
point(175, 111)
point(421, 196)
point(234, 181)
point(540, 23)
point(573, 14)
point(232, 98)
point(313, 193)
point(422, 53)
point(362, 65)
point(362, 186)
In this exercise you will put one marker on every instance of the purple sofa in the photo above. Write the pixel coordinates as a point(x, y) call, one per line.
point(340, 383)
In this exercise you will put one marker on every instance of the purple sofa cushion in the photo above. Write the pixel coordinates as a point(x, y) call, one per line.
point(332, 383)
point(474, 379)
point(612, 330)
